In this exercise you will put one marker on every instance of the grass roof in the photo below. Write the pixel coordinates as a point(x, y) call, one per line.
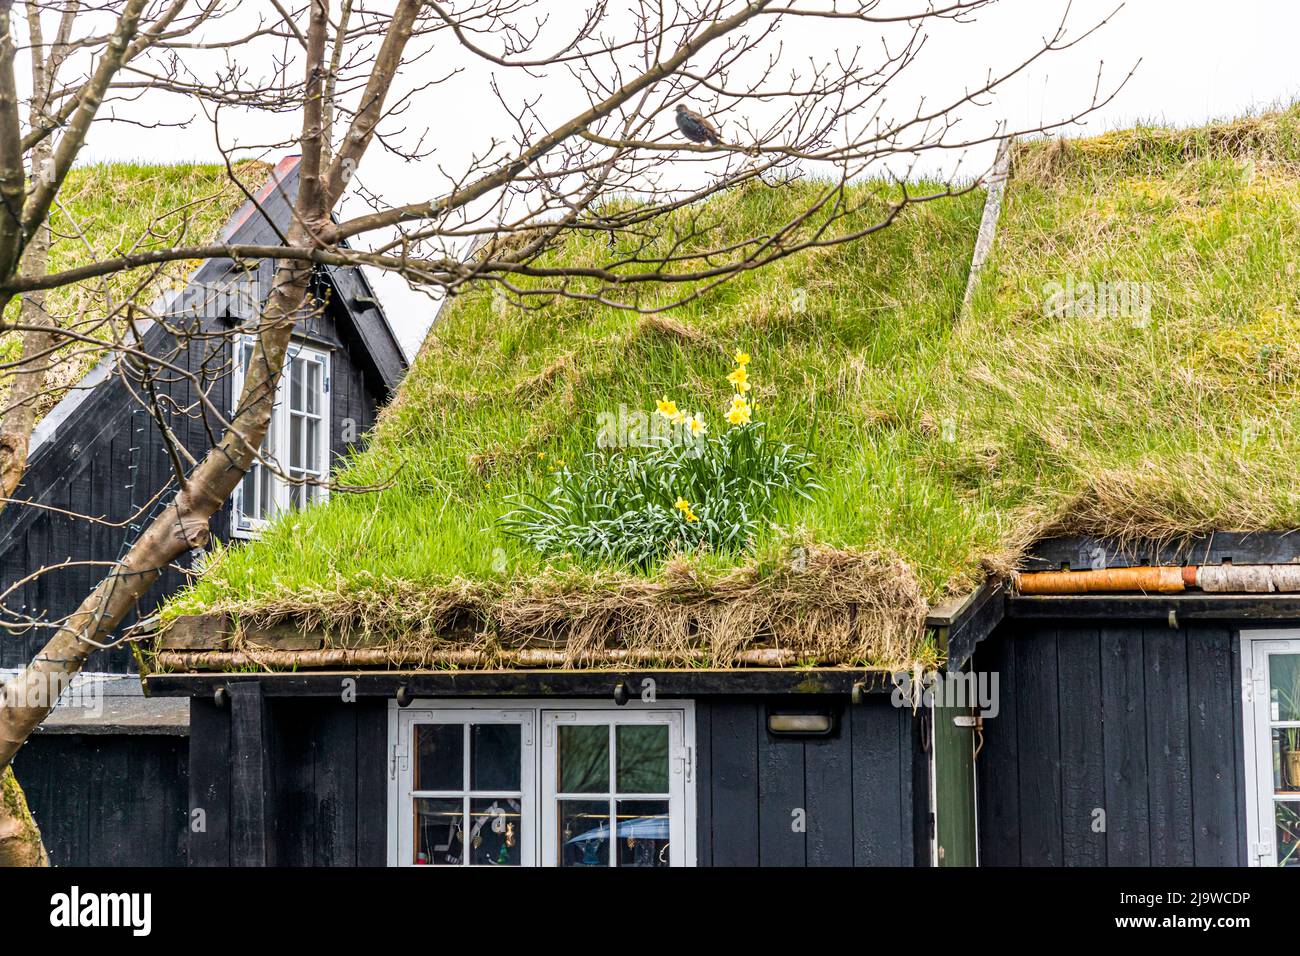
point(111, 209)
point(944, 443)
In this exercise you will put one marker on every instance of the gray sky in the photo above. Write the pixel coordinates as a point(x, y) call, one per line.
point(1200, 60)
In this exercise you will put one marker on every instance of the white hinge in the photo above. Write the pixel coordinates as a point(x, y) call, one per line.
point(686, 762)
point(1262, 851)
point(398, 760)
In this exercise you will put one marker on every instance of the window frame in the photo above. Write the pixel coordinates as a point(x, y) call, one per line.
point(1256, 647)
point(539, 805)
point(241, 525)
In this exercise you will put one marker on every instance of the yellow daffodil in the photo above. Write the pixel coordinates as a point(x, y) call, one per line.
point(684, 507)
point(742, 358)
point(670, 411)
point(740, 413)
point(696, 425)
point(740, 379)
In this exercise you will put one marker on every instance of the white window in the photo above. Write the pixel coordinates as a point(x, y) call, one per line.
point(574, 783)
point(297, 440)
point(1271, 697)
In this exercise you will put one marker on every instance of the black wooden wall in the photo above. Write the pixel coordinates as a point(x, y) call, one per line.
point(1139, 721)
point(864, 791)
point(108, 800)
point(318, 788)
point(312, 774)
point(108, 459)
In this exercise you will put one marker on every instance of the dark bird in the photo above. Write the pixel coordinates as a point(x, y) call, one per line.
point(695, 127)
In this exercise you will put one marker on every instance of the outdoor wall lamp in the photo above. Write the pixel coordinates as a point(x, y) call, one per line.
point(801, 723)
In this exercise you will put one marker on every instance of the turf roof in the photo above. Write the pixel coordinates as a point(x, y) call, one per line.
point(945, 442)
point(111, 209)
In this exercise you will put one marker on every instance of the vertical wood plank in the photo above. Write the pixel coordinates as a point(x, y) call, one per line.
point(209, 784)
point(1124, 733)
point(294, 748)
point(735, 784)
point(1168, 763)
point(336, 785)
point(252, 792)
point(1214, 765)
point(828, 775)
point(877, 766)
point(703, 783)
point(1083, 773)
point(998, 766)
point(780, 796)
point(1038, 724)
point(372, 782)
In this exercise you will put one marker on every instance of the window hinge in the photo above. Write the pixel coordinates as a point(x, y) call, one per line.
point(398, 761)
point(1262, 851)
point(688, 762)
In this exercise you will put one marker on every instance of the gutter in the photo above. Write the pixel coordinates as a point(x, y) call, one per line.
point(1212, 579)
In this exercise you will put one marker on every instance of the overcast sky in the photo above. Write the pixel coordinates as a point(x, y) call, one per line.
point(1200, 60)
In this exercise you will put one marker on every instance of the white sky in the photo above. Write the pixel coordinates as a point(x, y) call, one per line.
point(1200, 60)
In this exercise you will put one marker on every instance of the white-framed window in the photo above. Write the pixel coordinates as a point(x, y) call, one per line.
point(541, 783)
point(297, 439)
point(1270, 661)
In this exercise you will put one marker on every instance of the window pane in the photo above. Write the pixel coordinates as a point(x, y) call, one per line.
point(1288, 834)
point(1284, 686)
point(642, 832)
point(295, 442)
point(494, 756)
point(313, 387)
point(494, 832)
point(439, 756)
point(248, 494)
point(642, 754)
point(584, 759)
point(295, 385)
point(584, 832)
point(439, 831)
point(311, 460)
point(265, 499)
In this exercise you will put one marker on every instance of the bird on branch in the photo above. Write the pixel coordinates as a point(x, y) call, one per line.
point(695, 127)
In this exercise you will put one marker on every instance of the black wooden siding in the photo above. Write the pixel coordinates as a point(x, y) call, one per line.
point(864, 791)
point(304, 781)
point(108, 460)
point(108, 800)
point(1141, 722)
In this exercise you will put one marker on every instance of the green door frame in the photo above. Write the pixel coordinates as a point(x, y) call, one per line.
point(952, 750)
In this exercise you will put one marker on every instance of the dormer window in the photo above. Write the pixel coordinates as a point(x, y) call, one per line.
point(297, 440)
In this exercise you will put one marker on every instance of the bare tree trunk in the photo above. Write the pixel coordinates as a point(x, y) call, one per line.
point(20, 838)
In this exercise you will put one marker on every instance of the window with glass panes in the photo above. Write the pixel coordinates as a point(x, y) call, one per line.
point(297, 440)
point(1272, 704)
point(576, 785)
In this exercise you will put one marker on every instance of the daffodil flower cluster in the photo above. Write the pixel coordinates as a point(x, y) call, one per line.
point(740, 412)
point(693, 423)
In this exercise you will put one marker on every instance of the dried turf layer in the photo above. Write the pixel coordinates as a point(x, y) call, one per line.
point(826, 606)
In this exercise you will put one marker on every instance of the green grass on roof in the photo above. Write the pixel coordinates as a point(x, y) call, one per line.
point(112, 209)
point(944, 445)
